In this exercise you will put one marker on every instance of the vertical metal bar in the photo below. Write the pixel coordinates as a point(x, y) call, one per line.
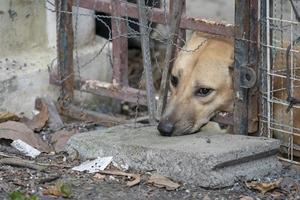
point(291, 115)
point(253, 60)
point(65, 42)
point(268, 67)
point(241, 47)
point(119, 45)
point(173, 24)
point(182, 32)
point(263, 70)
point(145, 34)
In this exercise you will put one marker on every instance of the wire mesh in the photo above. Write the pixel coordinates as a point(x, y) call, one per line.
point(280, 75)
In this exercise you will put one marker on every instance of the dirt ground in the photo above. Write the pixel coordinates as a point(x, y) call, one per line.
point(83, 185)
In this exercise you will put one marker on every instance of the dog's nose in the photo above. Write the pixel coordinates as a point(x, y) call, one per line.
point(165, 128)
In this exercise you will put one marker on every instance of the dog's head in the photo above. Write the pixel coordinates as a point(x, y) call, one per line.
point(201, 85)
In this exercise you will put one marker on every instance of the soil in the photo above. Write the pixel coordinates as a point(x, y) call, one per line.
point(85, 186)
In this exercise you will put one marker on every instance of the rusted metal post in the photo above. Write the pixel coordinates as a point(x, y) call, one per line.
point(242, 32)
point(245, 64)
point(65, 41)
point(173, 26)
point(182, 31)
point(145, 34)
point(120, 44)
point(253, 109)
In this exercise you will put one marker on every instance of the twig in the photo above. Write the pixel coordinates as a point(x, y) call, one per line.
point(49, 179)
point(6, 155)
point(21, 163)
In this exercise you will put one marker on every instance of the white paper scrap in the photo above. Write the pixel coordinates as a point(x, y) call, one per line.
point(92, 166)
point(25, 148)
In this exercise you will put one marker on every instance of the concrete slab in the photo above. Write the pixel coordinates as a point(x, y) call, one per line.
point(205, 159)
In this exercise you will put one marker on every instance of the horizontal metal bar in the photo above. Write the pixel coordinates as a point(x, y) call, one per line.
point(96, 87)
point(158, 16)
point(92, 116)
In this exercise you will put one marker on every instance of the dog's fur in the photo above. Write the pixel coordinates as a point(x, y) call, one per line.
point(209, 65)
point(205, 64)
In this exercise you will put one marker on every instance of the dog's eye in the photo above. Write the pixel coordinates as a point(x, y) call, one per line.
point(174, 81)
point(203, 92)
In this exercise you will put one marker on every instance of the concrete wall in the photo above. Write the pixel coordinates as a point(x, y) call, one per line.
point(28, 40)
point(20, 30)
point(218, 10)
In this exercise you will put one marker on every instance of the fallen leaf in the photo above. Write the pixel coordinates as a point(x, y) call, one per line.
point(136, 177)
point(242, 197)
point(12, 130)
point(60, 138)
point(39, 121)
point(7, 116)
point(264, 187)
point(162, 181)
point(58, 190)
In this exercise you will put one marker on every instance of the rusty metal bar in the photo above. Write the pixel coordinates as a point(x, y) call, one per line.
point(106, 89)
point(253, 110)
point(119, 44)
point(263, 71)
point(182, 31)
point(173, 28)
point(145, 35)
point(245, 67)
point(131, 10)
point(241, 47)
point(65, 39)
point(91, 116)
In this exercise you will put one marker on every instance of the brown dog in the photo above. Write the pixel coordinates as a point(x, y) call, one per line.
point(202, 85)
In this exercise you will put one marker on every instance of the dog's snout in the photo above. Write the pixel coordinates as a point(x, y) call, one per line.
point(166, 128)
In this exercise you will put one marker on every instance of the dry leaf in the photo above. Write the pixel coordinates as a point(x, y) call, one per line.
point(15, 130)
point(39, 121)
point(162, 181)
point(136, 177)
point(7, 116)
point(242, 197)
point(264, 187)
point(59, 190)
point(60, 138)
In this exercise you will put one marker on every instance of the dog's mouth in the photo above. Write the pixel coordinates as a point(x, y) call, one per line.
point(203, 126)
